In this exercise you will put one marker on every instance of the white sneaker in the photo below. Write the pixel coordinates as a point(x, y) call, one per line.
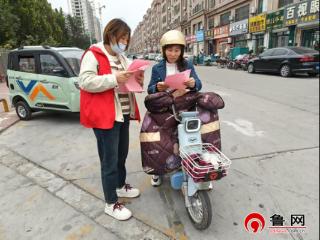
point(118, 211)
point(128, 192)
point(156, 180)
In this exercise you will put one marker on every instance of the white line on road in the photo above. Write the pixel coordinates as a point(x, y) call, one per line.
point(245, 127)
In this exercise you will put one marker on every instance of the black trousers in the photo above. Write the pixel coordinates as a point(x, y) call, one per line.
point(113, 146)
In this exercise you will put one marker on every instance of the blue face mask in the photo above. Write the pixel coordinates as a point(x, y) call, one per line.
point(118, 48)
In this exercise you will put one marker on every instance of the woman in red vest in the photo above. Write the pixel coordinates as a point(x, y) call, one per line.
point(108, 111)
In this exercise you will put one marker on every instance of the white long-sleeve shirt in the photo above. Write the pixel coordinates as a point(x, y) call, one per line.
point(90, 81)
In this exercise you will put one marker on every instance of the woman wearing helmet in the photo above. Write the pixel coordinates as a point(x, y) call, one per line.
point(172, 44)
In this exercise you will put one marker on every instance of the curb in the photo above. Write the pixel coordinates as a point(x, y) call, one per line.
point(8, 119)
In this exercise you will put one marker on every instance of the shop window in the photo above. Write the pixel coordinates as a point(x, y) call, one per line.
point(211, 3)
point(210, 23)
point(279, 39)
point(240, 41)
point(224, 18)
point(260, 6)
point(242, 13)
point(283, 3)
point(310, 39)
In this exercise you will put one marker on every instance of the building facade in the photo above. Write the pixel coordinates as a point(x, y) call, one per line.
point(85, 10)
point(216, 26)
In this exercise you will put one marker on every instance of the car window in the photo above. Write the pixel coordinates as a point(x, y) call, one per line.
point(48, 63)
point(266, 53)
point(280, 52)
point(27, 64)
point(302, 50)
point(73, 57)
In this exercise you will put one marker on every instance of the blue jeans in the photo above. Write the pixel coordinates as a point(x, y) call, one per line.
point(113, 146)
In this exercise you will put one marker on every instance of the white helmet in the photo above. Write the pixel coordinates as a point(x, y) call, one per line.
point(173, 37)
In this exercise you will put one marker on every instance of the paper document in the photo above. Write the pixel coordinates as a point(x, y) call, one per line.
point(132, 85)
point(176, 81)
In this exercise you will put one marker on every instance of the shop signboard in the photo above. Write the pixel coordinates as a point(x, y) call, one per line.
point(200, 36)
point(257, 23)
point(191, 39)
point(275, 20)
point(221, 32)
point(238, 28)
point(302, 12)
point(209, 34)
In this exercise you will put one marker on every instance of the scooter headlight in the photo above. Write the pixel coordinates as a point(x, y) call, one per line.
point(193, 125)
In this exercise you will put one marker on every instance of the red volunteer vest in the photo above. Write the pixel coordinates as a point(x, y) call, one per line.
point(97, 110)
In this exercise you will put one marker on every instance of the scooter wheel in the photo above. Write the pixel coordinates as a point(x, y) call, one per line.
point(200, 211)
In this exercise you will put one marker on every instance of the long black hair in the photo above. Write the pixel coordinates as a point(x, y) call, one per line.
point(182, 64)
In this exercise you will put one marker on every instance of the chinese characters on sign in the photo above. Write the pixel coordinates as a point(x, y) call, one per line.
point(303, 12)
point(238, 28)
point(209, 34)
point(257, 23)
point(275, 20)
point(191, 39)
point(200, 36)
point(221, 32)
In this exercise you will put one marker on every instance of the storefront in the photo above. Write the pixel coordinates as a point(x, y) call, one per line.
point(190, 40)
point(221, 36)
point(257, 27)
point(200, 43)
point(278, 33)
point(239, 33)
point(304, 16)
point(209, 42)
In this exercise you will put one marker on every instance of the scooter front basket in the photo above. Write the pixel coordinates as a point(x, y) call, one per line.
point(204, 162)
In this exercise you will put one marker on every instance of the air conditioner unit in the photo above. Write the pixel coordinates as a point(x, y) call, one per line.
point(253, 10)
point(216, 24)
point(230, 18)
point(229, 40)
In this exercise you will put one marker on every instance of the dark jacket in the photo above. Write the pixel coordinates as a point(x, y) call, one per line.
point(159, 72)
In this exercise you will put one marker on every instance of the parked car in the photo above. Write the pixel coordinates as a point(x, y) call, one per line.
point(132, 56)
point(44, 78)
point(152, 56)
point(286, 61)
point(140, 56)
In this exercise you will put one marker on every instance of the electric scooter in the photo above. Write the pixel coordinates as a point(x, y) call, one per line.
point(201, 163)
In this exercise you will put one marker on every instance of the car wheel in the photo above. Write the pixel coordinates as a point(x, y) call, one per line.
point(23, 110)
point(285, 71)
point(251, 68)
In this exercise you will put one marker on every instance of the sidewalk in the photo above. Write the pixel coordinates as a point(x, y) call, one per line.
point(39, 204)
point(7, 119)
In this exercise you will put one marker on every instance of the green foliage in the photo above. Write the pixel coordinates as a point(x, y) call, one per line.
point(34, 22)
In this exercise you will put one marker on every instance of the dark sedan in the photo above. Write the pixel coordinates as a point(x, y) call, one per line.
point(286, 61)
